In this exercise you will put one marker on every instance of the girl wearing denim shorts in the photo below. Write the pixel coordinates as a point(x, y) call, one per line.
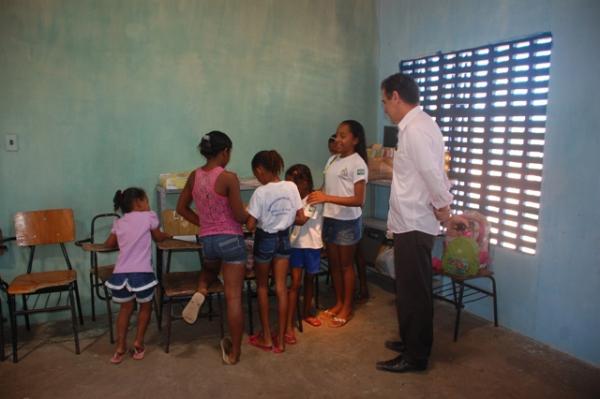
point(219, 212)
point(307, 243)
point(133, 277)
point(343, 193)
point(273, 208)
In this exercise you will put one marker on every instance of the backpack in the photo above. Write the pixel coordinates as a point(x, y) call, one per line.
point(466, 247)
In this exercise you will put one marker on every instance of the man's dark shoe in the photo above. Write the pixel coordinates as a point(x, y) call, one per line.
point(400, 365)
point(396, 346)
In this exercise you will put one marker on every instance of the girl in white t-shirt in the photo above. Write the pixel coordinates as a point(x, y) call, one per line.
point(343, 194)
point(273, 208)
point(306, 244)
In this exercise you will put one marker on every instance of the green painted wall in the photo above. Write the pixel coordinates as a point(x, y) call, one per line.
point(108, 94)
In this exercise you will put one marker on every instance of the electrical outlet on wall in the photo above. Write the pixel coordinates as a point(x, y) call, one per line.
point(10, 142)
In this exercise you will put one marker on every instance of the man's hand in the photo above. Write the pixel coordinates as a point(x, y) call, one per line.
point(442, 214)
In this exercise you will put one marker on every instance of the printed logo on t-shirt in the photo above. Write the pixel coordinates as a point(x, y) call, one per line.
point(360, 172)
point(280, 206)
point(344, 172)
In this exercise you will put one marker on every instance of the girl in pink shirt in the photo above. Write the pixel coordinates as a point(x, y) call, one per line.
point(133, 276)
point(219, 211)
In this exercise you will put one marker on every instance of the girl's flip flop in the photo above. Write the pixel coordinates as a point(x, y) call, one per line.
point(313, 321)
point(338, 322)
point(117, 357)
point(327, 314)
point(138, 353)
point(254, 340)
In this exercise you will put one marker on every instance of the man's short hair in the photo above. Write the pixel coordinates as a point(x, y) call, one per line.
point(404, 85)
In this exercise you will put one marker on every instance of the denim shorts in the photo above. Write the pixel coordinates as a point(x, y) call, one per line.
point(307, 258)
point(124, 287)
point(271, 245)
point(228, 248)
point(342, 232)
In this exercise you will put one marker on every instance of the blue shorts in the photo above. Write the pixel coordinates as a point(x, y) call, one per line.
point(271, 245)
point(228, 248)
point(342, 232)
point(126, 286)
point(307, 258)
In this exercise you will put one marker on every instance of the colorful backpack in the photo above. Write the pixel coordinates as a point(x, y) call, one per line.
point(466, 248)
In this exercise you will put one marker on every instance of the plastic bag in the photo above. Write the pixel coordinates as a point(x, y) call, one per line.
point(384, 263)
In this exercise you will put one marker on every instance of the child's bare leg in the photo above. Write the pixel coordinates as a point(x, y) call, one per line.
point(144, 316)
point(293, 300)
point(208, 275)
point(123, 325)
point(346, 260)
point(262, 293)
point(280, 271)
point(233, 275)
point(335, 268)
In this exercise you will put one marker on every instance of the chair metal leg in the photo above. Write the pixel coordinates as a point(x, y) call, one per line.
point(221, 313)
point(459, 305)
point(210, 307)
point(317, 291)
point(2, 353)
point(27, 325)
point(109, 315)
point(74, 318)
point(299, 314)
point(12, 309)
point(495, 299)
point(78, 303)
point(249, 302)
point(156, 311)
point(159, 315)
point(168, 339)
point(92, 296)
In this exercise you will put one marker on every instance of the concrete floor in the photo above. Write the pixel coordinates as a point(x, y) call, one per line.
point(326, 363)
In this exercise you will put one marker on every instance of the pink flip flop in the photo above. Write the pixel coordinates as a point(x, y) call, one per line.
point(254, 340)
point(276, 348)
point(290, 339)
point(313, 321)
point(138, 353)
point(117, 357)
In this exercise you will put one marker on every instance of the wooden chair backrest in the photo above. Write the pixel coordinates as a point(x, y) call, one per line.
point(52, 226)
point(2, 247)
point(174, 224)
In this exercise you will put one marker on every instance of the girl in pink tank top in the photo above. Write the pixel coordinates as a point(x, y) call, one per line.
point(216, 215)
point(220, 213)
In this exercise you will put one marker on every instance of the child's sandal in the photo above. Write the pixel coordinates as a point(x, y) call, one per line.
point(290, 339)
point(117, 357)
point(313, 321)
point(138, 353)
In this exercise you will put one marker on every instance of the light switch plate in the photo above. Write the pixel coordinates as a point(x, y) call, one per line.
point(10, 142)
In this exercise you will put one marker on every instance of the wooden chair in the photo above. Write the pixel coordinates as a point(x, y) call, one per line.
point(100, 273)
point(178, 287)
point(459, 292)
point(174, 225)
point(46, 227)
point(3, 288)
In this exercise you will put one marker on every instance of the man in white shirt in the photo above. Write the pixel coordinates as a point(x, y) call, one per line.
point(419, 200)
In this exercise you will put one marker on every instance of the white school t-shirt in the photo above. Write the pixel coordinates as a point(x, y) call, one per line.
point(340, 175)
point(274, 205)
point(309, 234)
